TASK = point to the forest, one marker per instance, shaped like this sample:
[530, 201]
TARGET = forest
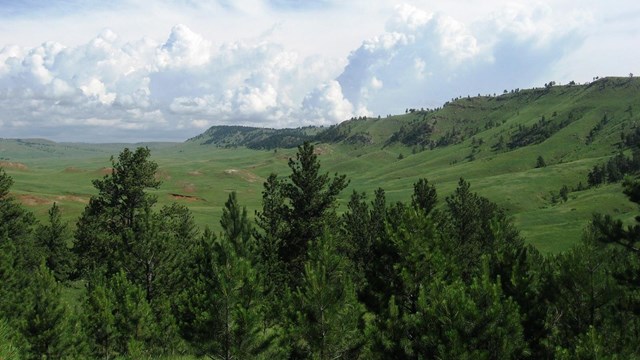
[302, 278]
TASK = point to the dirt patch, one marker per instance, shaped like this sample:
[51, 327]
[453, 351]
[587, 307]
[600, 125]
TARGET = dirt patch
[106, 171]
[74, 198]
[188, 198]
[162, 175]
[321, 150]
[31, 200]
[244, 174]
[195, 173]
[13, 165]
[189, 187]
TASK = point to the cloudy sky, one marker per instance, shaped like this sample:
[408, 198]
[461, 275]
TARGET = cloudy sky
[126, 70]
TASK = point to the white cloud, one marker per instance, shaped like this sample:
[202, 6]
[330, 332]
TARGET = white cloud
[288, 63]
[326, 105]
[424, 59]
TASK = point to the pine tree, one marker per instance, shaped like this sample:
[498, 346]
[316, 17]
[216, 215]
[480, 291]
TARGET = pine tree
[113, 212]
[312, 196]
[357, 232]
[220, 312]
[424, 196]
[132, 317]
[46, 327]
[236, 225]
[467, 223]
[99, 320]
[54, 238]
[271, 221]
[8, 350]
[327, 313]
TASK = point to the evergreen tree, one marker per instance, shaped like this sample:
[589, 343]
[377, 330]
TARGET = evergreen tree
[585, 295]
[271, 220]
[236, 226]
[46, 322]
[54, 239]
[467, 225]
[8, 350]
[357, 233]
[99, 319]
[312, 197]
[132, 317]
[424, 196]
[220, 312]
[112, 213]
[327, 313]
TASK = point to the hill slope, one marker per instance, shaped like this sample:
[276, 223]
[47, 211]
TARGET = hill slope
[493, 142]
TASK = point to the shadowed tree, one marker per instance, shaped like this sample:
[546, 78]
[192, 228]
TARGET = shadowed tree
[424, 196]
[53, 238]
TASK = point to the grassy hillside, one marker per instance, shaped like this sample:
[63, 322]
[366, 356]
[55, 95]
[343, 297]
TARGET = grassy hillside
[493, 142]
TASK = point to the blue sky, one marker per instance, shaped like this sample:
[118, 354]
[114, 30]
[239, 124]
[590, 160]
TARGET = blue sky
[166, 70]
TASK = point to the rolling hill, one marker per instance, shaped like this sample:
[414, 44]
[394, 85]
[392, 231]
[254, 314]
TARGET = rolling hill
[492, 141]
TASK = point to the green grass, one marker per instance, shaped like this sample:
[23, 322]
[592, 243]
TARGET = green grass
[201, 177]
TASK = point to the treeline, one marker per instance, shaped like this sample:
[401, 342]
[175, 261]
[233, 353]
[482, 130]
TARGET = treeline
[425, 278]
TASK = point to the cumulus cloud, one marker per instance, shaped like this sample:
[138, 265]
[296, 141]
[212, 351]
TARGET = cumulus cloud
[183, 84]
[424, 59]
[172, 86]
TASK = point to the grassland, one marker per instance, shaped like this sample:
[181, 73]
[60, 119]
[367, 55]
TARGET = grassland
[201, 176]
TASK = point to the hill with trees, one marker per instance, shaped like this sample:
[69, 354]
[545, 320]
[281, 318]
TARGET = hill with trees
[552, 156]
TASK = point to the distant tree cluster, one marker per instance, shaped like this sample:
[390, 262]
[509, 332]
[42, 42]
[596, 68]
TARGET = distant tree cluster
[538, 132]
[615, 169]
[427, 278]
[596, 129]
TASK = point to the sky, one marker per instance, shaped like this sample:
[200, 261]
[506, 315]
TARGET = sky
[166, 70]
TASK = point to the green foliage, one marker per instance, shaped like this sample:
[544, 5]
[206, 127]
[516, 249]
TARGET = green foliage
[236, 226]
[8, 350]
[312, 196]
[54, 239]
[452, 321]
[220, 311]
[118, 319]
[540, 163]
[395, 279]
[114, 211]
[538, 132]
[46, 325]
[327, 312]
[467, 226]
[424, 196]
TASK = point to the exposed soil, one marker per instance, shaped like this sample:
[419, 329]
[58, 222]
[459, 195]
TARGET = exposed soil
[188, 198]
[31, 200]
[13, 165]
[106, 171]
[244, 174]
[195, 173]
[189, 187]
[321, 150]
[162, 175]
[74, 198]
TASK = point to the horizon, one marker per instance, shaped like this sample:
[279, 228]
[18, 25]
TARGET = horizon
[147, 72]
